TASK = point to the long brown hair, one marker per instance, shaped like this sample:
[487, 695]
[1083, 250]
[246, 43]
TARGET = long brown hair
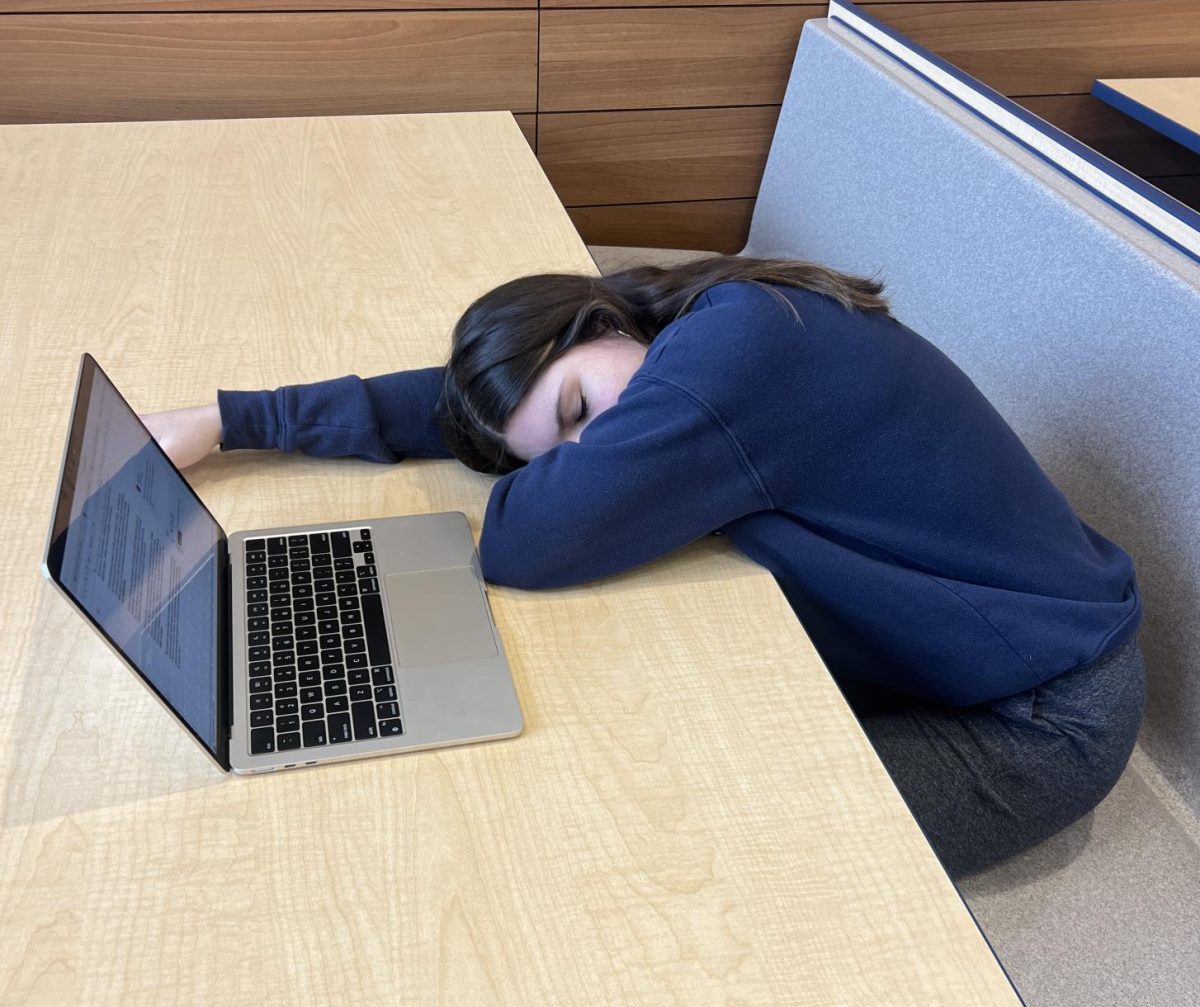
[508, 337]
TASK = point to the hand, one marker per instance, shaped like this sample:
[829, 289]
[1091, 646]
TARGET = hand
[186, 435]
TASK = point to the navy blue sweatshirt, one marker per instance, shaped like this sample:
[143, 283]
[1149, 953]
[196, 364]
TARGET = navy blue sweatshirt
[916, 538]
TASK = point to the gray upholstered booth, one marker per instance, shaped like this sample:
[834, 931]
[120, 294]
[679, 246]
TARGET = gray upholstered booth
[1083, 328]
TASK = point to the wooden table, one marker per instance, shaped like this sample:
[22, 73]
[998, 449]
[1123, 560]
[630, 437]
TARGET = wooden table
[692, 815]
[1170, 105]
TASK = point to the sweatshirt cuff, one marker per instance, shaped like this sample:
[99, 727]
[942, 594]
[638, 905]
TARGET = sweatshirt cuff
[248, 420]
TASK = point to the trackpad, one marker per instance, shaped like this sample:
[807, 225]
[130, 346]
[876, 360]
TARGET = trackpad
[439, 616]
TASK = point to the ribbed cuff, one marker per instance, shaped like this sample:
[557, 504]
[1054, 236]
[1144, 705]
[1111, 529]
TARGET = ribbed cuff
[248, 420]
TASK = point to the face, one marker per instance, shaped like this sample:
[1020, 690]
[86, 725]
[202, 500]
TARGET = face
[577, 387]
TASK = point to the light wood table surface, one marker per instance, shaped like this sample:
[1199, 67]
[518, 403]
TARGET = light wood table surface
[1170, 105]
[692, 815]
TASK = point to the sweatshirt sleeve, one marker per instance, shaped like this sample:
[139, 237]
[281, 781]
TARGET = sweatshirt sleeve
[382, 419]
[657, 470]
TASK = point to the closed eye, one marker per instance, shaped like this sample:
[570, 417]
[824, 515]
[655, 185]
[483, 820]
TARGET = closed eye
[583, 408]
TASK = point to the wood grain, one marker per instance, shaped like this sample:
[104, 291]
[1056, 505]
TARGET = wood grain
[692, 815]
[593, 158]
[634, 58]
[721, 225]
[81, 68]
[1026, 47]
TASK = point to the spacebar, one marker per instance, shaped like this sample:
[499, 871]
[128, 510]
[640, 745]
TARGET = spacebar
[376, 629]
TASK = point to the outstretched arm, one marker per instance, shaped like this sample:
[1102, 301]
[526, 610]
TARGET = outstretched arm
[382, 419]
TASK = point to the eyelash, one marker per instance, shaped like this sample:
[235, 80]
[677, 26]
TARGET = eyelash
[583, 410]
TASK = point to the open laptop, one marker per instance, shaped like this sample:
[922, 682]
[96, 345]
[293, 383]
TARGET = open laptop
[282, 647]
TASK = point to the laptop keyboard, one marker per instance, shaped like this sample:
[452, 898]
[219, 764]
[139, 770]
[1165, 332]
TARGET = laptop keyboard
[320, 668]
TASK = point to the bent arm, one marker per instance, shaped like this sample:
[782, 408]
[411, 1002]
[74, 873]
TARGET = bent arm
[382, 419]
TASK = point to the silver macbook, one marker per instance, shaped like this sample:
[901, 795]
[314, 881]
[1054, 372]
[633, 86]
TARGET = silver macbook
[281, 647]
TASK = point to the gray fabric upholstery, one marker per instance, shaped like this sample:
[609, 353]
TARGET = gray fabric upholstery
[1080, 326]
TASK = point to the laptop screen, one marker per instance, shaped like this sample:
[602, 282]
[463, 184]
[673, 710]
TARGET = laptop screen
[136, 550]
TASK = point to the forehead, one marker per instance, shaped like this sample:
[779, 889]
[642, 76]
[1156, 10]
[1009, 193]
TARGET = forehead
[533, 428]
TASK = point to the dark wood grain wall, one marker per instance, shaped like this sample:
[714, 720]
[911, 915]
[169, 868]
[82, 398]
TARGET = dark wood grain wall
[651, 119]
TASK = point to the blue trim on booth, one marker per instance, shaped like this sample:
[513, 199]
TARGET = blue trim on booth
[1180, 211]
[1144, 114]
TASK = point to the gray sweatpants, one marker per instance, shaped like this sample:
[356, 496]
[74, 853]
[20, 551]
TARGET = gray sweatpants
[988, 781]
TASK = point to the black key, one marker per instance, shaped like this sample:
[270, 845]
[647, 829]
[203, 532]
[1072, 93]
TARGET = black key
[306, 633]
[260, 653]
[302, 591]
[333, 671]
[372, 609]
[285, 689]
[277, 561]
[260, 668]
[304, 618]
[389, 727]
[276, 545]
[256, 597]
[352, 632]
[256, 610]
[364, 534]
[322, 575]
[368, 557]
[339, 542]
[309, 662]
[289, 741]
[256, 556]
[255, 543]
[314, 733]
[307, 648]
[291, 723]
[350, 617]
[283, 706]
[323, 586]
[260, 685]
[355, 646]
[319, 541]
[385, 694]
[295, 540]
[304, 605]
[260, 702]
[369, 585]
[339, 728]
[282, 643]
[330, 640]
[340, 704]
[360, 676]
[383, 676]
[281, 627]
[362, 546]
[364, 720]
[283, 657]
[326, 626]
[262, 740]
[356, 660]
[383, 709]
[343, 563]
[312, 695]
[261, 622]
[276, 574]
[344, 577]
[296, 555]
[326, 601]
[347, 590]
[347, 604]
[278, 587]
[260, 717]
[256, 569]
[360, 692]
[313, 711]
[331, 656]
[300, 565]
[255, 583]
[365, 571]
[301, 577]
[335, 687]
[285, 673]
[309, 679]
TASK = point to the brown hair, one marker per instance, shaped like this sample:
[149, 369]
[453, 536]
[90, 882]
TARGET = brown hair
[508, 337]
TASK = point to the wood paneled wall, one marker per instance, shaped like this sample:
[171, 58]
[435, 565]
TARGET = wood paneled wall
[652, 119]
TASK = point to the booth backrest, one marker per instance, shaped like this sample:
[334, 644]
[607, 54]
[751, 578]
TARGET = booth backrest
[1080, 325]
